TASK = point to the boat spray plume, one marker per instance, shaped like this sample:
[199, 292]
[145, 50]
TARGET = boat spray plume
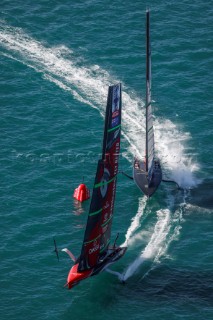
[136, 221]
[155, 245]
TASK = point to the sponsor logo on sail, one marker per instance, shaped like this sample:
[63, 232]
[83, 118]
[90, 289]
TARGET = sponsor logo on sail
[104, 181]
[115, 121]
[95, 247]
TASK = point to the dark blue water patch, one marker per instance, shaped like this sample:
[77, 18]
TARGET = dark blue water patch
[183, 285]
[162, 292]
[202, 195]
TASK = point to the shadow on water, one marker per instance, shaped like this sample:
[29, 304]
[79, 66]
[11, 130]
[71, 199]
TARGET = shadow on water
[202, 195]
[170, 284]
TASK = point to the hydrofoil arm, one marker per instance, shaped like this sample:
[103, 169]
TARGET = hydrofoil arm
[171, 181]
[126, 175]
[72, 257]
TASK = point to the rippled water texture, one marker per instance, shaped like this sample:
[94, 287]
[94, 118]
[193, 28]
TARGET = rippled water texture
[57, 60]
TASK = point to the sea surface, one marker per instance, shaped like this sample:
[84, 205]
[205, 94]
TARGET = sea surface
[57, 60]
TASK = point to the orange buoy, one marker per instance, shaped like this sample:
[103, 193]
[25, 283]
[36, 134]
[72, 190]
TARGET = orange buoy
[81, 193]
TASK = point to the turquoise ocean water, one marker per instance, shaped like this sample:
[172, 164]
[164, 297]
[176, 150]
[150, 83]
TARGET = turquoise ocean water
[57, 60]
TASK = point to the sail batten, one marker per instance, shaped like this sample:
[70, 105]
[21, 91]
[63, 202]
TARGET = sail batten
[103, 183]
[86, 242]
[112, 129]
[94, 213]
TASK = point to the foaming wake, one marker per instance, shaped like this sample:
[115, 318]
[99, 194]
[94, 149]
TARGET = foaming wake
[177, 164]
[89, 85]
[136, 222]
[166, 230]
[130, 234]
[155, 247]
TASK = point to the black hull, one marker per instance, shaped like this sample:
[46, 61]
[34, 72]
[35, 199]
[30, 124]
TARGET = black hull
[115, 255]
[141, 177]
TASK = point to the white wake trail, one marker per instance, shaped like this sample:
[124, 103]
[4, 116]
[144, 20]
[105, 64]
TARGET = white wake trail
[155, 246]
[136, 222]
[89, 85]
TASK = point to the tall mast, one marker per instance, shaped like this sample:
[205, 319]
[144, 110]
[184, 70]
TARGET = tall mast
[148, 84]
[109, 97]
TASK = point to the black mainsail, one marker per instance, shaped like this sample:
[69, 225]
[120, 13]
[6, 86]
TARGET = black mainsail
[147, 174]
[96, 252]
